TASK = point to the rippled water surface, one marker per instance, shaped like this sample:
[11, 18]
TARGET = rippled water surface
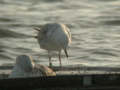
[94, 24]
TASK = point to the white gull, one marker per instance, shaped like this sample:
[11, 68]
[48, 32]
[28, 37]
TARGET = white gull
[54, 37]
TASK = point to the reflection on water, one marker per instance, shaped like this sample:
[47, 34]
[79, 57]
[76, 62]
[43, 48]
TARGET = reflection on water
[94, 26]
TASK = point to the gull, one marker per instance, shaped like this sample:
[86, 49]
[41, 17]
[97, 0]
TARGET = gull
[25, 67]
[54, 37]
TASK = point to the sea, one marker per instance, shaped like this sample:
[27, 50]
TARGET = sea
[94, 26]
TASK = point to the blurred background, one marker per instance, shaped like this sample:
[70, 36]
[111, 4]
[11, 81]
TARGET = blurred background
[94, 24]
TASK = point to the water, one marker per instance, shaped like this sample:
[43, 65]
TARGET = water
[94, 24]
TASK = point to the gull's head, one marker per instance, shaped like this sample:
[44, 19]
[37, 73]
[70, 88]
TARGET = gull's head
[25, 62]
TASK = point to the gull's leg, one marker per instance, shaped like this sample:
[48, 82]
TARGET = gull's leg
[60, 58]
[50, 63]
[49, 56]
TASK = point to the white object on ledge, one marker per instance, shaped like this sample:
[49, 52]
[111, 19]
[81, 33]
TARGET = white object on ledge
[25, 67]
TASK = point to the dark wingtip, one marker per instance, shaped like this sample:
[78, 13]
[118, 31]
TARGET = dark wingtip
[66, 53]
[35, 36]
